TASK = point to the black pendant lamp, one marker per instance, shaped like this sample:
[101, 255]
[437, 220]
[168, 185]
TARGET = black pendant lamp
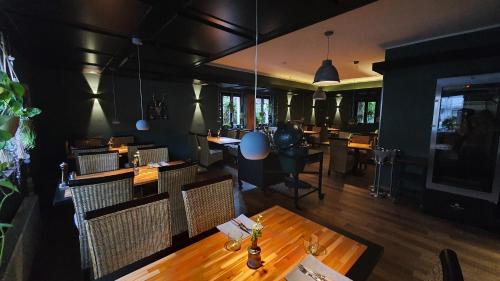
[327, 74]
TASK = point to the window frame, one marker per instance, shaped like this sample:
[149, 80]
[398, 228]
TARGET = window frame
[231, 96]
[270, 118]
[365, 112]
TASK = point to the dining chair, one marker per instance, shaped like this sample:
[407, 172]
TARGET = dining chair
[340, 160]
[344, 135]
[132, 149]
[122, 234]
[447, 269]
[95, 162]
[208, 156]
[208, 203]
[154, 154]
[95, 193]
[232, 134]
[118, 141]
[96, 149]
[171, 179]
[242, 133]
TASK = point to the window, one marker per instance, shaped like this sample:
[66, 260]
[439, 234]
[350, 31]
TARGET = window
[360, 116]
[263, 110]
[366, 111]
[231, 110]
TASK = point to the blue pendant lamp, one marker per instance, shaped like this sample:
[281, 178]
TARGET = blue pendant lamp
[142, 124]
[327, 74]
[255, 145]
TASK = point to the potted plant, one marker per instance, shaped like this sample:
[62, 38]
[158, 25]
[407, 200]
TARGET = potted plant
[13, 138]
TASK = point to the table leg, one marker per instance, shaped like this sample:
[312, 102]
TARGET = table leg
[296, 190]
[321, 195]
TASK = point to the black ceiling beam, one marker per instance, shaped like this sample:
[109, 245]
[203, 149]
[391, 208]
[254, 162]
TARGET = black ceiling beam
[475, 53]
[201, 17]
[94, 29]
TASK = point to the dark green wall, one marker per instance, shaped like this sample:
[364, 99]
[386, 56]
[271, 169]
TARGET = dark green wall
[408, 98]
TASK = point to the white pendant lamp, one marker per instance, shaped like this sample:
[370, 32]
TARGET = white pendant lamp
[255, 145]
[142, 124]
[327, 74]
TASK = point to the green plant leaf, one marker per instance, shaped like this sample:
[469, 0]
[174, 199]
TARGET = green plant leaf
[8, 184]
[4, 135]
[5, 225]
[18, 90]
[32, 112]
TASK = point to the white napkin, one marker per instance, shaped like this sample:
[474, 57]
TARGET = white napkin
[231, 227]
[154, 165]
[163, 163]
[315, 265]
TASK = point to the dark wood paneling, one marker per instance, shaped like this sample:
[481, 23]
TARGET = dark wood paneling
[188, 33]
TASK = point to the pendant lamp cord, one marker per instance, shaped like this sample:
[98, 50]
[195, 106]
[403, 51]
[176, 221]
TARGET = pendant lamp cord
[114, 92]
[140, 81]
[328, 49]
[255, 63]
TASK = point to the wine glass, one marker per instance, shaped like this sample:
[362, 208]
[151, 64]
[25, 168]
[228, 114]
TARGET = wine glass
[233, 243]
[311, 245]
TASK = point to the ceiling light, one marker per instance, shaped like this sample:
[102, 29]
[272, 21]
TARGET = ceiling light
[255, 145]
[319, 94]
[327, 74]
[142, 124]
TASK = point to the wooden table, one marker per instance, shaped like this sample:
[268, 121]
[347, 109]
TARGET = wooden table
[146, 175]
[282, 246]
[223, 140]
[359, 146]
[120, 150]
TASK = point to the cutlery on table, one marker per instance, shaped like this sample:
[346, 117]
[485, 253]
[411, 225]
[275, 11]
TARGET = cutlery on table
[241, 226]
[314, 275]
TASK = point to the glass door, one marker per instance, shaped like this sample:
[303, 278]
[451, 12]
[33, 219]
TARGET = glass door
[465, 137]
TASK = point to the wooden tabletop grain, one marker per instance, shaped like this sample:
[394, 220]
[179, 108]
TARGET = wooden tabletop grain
[223, 140]
[282, 246]
[146, 174]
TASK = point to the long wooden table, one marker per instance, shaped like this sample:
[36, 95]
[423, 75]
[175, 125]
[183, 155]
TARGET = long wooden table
[146, 175]
[223, 140]
[282, 246]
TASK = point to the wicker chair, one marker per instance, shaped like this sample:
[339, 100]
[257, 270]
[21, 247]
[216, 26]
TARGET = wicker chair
[208, 203]
[132, 149]
[97, 149]
[171, 179]
[96, 193]
[340, 160]
[95, 162]
[152, 155]
[122, 140]
[208, 156]
[125, 233]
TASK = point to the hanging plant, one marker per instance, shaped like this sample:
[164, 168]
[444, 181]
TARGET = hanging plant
[14, 139]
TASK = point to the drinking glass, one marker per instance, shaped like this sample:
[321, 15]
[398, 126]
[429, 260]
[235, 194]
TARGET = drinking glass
[311, 245]
[233, 241]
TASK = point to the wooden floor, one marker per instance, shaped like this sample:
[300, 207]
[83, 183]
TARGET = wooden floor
[411, 239]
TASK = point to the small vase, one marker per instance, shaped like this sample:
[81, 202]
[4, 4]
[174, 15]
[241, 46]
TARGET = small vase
[254, 260]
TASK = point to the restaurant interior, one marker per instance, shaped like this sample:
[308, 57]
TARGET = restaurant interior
[250, 140]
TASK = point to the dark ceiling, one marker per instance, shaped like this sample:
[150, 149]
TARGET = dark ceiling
[179, 36]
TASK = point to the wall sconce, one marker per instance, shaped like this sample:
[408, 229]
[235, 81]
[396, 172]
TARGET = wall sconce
[197, 101]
